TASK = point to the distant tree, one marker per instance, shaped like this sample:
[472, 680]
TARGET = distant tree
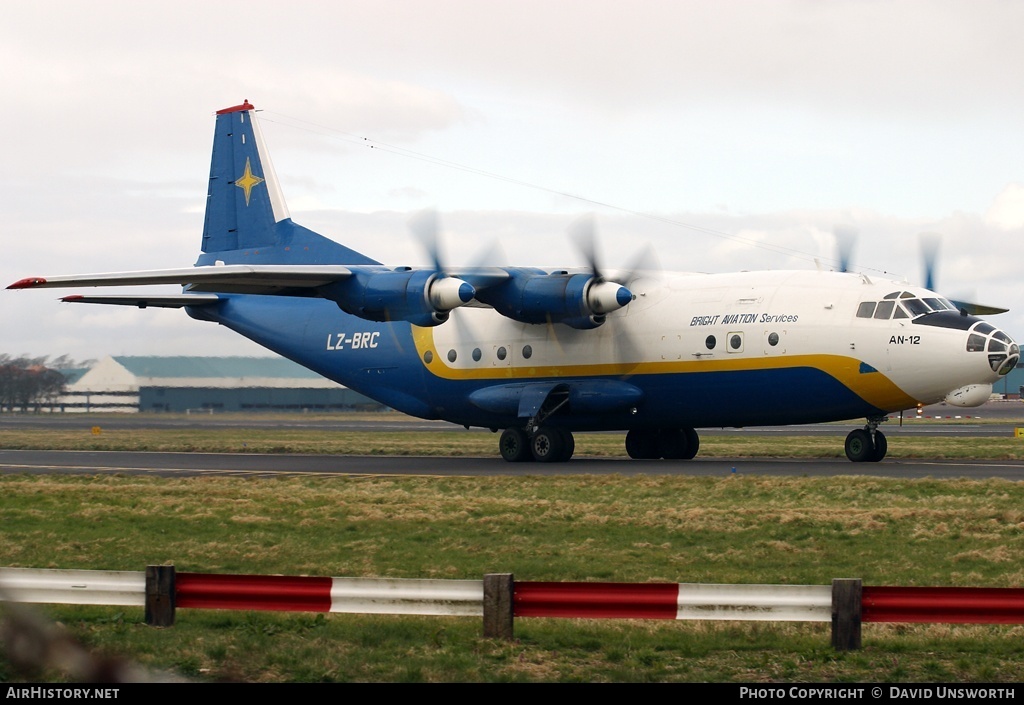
[28, 383]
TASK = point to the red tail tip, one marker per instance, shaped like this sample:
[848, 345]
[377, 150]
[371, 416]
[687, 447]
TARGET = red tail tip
[72, 297]
[246, 105]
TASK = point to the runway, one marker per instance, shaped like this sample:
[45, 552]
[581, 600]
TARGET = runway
[994, 419]
[262, 465]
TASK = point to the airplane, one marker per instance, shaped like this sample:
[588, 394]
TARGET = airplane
[540, 354]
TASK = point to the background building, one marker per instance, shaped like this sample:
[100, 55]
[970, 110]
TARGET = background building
[179, 384]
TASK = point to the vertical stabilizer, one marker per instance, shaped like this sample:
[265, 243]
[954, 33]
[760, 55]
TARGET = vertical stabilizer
[247, 219]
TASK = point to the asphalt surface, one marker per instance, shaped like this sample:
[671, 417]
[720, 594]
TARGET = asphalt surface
[261, 465]
[996, 419]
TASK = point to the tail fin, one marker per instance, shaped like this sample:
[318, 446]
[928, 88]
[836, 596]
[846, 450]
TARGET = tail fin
[247, 220]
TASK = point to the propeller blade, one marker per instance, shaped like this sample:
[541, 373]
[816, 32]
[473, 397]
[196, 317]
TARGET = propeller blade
[846, 238]
[929, 256]
[425, 226]
[583, 233]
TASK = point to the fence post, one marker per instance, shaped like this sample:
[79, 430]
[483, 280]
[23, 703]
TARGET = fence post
[846, 612]
[160, 595]
[498, 606]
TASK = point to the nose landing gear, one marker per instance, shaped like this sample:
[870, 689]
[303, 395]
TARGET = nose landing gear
[868, 444]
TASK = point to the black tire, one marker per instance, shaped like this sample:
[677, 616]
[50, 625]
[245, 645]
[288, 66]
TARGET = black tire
[547, 445]
[642, 444]
[568, 445]
[514, 446]
[881, 447]
[672, 444]
[858, 446]
[692, 443]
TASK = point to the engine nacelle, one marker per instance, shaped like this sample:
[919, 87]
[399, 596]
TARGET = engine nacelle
[970, 395]
[421, 297]
[577, 300]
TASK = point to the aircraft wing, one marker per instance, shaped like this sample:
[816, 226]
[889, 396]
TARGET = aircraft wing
[231, 278]
[978, 309]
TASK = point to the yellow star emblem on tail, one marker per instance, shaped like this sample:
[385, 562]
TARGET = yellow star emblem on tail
[247, 181]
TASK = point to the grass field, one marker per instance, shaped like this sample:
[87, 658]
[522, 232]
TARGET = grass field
[741, 529]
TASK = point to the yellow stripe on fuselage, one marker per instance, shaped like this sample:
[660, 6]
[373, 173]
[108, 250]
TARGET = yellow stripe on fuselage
[873, 387]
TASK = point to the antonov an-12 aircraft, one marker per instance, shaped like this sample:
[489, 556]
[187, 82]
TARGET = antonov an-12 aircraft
[540, 354]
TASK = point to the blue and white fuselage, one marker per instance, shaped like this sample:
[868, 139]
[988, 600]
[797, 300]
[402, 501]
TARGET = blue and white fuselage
[542, 354]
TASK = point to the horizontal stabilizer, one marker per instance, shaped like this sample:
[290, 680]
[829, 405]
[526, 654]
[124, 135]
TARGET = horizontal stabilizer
[145, 301]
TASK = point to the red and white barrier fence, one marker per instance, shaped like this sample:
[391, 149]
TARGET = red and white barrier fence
[498, 598]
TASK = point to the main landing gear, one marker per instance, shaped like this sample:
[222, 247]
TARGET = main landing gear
[545, 445]
[548, 444]
[667, 443]
[868, 444]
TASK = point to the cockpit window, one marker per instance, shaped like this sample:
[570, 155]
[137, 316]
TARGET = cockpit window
[975, 343]
[984, 328]
[908, 306]
[916, 307]
[884, 309]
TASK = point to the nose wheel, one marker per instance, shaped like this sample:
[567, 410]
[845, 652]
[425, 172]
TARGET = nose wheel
[866, 445]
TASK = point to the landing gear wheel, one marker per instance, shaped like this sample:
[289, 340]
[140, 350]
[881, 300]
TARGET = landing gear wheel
[692, 443]
[568, 445]
[672, 444]
[548, 445]
[881, 447]
[514, 446]
[858, 446]
[642, 444]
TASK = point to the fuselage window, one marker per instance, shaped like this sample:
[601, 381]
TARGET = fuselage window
[773, 339]
[735, 342]
[866, 309]
[884, 309]
[477, 354]
[452, 355]
[502, 353]
[710, 342]
[527, 352]
[428, 357]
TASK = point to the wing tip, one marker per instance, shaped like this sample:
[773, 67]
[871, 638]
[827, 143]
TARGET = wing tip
[27, 283]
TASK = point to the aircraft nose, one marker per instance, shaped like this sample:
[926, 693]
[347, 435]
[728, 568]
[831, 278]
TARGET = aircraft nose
[1003, 353]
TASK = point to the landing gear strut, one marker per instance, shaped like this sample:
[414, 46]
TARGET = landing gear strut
[668, 443]
[868, 444]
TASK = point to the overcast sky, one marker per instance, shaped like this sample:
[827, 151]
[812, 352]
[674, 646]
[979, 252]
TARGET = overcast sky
[769, 123]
